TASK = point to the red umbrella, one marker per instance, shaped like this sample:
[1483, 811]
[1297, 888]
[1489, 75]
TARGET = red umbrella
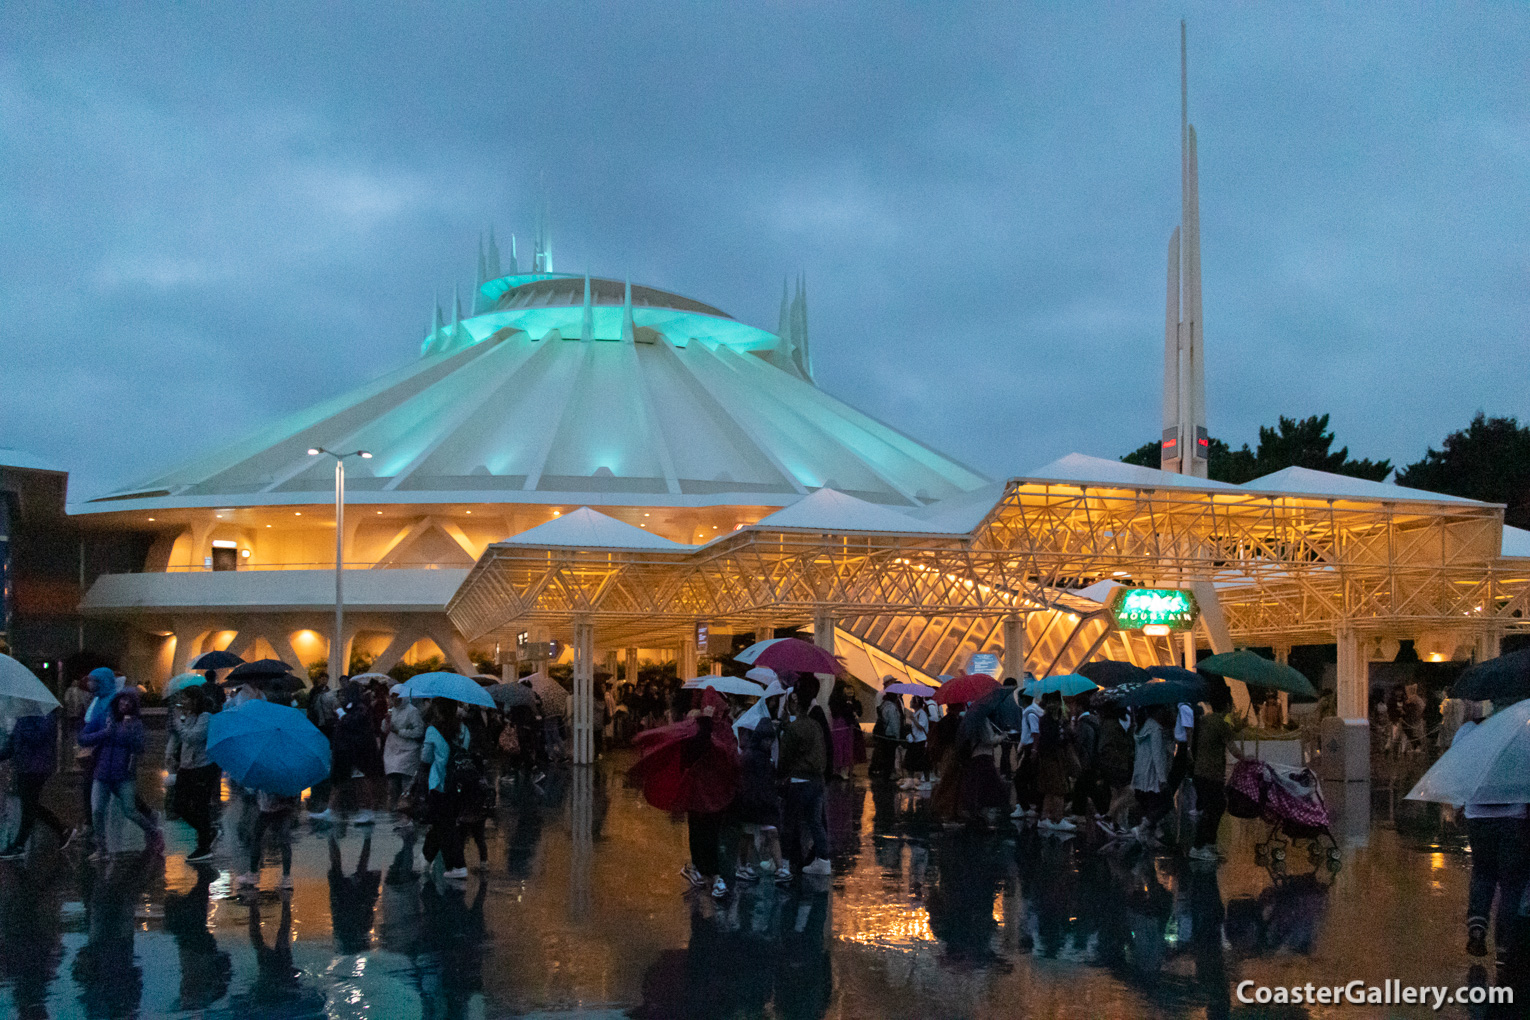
[799, 656]
[961, 689]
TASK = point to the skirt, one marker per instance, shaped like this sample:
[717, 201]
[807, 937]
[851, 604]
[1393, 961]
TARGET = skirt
[916, 756]
[981, 787]
[844, 745]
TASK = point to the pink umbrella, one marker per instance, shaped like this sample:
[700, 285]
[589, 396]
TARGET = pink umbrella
[798, 656]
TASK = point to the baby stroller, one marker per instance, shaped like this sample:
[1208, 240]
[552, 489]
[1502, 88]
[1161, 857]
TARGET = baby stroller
[1290, 800]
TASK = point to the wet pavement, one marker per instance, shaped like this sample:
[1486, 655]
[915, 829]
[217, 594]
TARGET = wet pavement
[583, 912]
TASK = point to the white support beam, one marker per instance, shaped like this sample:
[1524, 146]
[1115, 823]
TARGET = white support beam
[583, 709]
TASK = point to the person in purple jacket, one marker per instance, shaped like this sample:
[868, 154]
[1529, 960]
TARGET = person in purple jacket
[118, 746]
[33, 751]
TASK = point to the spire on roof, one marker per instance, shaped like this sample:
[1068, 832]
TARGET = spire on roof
[456, 304]
[491, 265]
[515, 265]
[438, 320]
[587, 324]
[801, 352]
[541, 259]
[483, 268]
[629, 332]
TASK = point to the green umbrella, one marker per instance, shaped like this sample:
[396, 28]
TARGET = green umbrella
[1258, 671]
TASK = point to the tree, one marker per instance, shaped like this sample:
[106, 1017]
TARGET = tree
[1488, 460]
[1292, 443]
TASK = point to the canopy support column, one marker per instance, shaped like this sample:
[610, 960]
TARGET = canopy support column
[1488, 645]
[584, 692]
[1347, 737]
[685, 660]
[823, 628]
[1016, 647]
[631, 675]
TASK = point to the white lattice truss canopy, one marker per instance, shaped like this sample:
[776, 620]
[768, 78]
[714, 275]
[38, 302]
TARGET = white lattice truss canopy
[1289, 569]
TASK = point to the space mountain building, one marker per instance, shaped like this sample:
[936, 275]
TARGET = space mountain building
[553, 392]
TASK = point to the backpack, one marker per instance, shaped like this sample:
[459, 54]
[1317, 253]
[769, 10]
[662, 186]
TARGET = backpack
[467, 784]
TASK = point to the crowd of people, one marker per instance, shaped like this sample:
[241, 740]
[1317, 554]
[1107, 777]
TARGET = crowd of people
[436, 757]
[1079, 764]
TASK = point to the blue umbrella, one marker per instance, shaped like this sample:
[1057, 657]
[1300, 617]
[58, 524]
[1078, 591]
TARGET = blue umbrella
[452, 686]
[183, 681]
[999, 707]
[268, 747]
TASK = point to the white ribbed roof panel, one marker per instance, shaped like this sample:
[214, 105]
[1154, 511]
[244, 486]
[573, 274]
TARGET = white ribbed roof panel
[514, 418]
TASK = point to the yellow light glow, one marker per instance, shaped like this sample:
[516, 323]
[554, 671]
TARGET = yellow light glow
[557, 513]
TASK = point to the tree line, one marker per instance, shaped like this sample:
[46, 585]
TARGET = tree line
[1489, 460]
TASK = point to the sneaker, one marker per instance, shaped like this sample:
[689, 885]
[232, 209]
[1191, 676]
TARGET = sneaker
[1202, 853]
[766, 867]
[1046, 824]
[69, 837]
[1064, 825]
[784, 874]
[321, 816]
[285, 884]
[1019, 812]
[97, 856]
[819, 866]
[719, 888]
[1476, 940]
[198, 856]
[365, 818]
[691, 875]
[746, 873]
[455, 874]
[1107, 828]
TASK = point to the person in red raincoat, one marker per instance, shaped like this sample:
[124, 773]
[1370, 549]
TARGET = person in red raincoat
[693, 766]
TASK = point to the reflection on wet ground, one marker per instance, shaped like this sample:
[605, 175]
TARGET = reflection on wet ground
[583, 911]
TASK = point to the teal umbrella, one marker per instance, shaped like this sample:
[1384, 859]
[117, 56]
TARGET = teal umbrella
[21, 693]
[179, 683]
[452, 686]
[1066, 684]
[268, 747]
[1258, 671]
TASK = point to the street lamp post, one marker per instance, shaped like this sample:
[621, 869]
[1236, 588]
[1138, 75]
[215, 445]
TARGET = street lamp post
[337, 645]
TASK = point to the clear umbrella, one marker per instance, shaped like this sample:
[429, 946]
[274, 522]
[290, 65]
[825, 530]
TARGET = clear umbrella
[21, 693]
[1488, 764]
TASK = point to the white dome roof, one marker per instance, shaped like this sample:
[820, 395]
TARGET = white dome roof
[506, 407]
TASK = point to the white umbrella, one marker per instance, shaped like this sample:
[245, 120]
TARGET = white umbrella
[1489, 764]
[366, 678]
[748, 655]
[725, 685]
[21, 693]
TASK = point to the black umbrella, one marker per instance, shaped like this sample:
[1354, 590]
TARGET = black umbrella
[255, 672]
[217, 660]
[1504, 679]
[1108, 673]
[1156, 692]
[999, 707]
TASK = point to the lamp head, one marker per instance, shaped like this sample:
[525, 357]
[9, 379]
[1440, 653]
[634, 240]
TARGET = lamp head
[314, 451]
[365, 455]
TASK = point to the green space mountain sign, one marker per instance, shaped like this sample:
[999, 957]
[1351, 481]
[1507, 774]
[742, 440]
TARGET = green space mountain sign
[1136, 608]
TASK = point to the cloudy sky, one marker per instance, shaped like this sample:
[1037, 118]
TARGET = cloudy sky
[212, 215]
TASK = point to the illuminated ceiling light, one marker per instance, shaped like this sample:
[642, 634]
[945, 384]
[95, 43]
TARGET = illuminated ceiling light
[313, 451]
[298, 513]
[645, 515]
[365, 455]
[1156, 630]
[151, 518]
[557, 513]
[245, 553]
[470, 511]
[268, 525]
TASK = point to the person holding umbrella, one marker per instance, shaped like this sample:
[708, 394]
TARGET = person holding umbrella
[196, 777]
[1150, 769]
[803, 754]
[886, 735]
[1212, 742]
[445, 838]
[355, 752]
[1496, 833]
[118, 745]
[33, 750]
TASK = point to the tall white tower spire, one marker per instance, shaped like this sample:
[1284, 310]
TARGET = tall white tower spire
[1185, 440]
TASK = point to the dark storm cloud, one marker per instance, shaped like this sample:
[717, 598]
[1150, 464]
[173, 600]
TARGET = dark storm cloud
[210, 217]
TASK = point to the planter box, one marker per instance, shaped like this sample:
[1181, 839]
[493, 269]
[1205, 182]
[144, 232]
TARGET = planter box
[1286, 751]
